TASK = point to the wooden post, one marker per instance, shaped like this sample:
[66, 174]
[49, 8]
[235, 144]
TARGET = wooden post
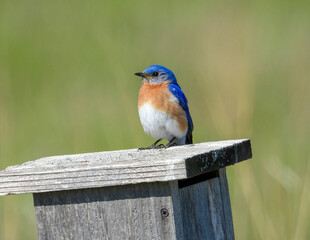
[175, 193]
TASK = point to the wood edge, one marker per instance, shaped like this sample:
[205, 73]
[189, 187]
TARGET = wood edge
[194, 166]
[219, 158]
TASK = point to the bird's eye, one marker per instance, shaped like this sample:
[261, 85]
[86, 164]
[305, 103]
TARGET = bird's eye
[155, 73]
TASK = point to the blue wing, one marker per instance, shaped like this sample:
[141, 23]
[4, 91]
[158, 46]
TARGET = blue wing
[178, 93]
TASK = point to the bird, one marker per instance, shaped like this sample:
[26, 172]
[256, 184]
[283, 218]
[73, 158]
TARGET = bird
[163, 108]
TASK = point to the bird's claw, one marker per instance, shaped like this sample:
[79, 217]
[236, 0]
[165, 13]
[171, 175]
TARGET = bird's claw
[160, 146]
[145, 148]
[170, 145]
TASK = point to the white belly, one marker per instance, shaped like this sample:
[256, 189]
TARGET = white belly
[158, 124]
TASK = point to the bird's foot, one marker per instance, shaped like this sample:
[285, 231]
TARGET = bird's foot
[153, 146]
[171, 143]
[146, 148]
[160, 146]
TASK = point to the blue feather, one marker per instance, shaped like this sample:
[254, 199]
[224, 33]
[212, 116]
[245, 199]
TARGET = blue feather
[178, 93]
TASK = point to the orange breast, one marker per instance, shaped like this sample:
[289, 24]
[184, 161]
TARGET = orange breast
[160, 97]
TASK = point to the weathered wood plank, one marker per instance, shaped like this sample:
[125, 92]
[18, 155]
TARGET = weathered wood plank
[202, 213]
[114, 213]
[205, 213]
[226, 204]
[161, 210]
[114, 168]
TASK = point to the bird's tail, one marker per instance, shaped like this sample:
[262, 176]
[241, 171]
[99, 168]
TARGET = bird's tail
[189, 138]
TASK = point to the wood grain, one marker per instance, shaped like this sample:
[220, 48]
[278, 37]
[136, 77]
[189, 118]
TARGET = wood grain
[114, 168]
[198, 210]
[114, 213]
[204, 211]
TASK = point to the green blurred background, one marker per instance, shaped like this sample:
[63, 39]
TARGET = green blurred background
[67, 86]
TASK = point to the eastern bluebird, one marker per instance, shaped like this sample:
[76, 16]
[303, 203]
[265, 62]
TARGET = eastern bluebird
[163, 108]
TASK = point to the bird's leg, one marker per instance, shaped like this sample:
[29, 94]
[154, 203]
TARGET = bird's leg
[171, 143]
[152, 146]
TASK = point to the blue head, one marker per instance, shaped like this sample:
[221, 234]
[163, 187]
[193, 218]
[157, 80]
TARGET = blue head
[157, 74]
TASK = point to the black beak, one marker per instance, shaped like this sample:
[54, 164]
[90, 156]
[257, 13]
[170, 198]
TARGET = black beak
[141, 74]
